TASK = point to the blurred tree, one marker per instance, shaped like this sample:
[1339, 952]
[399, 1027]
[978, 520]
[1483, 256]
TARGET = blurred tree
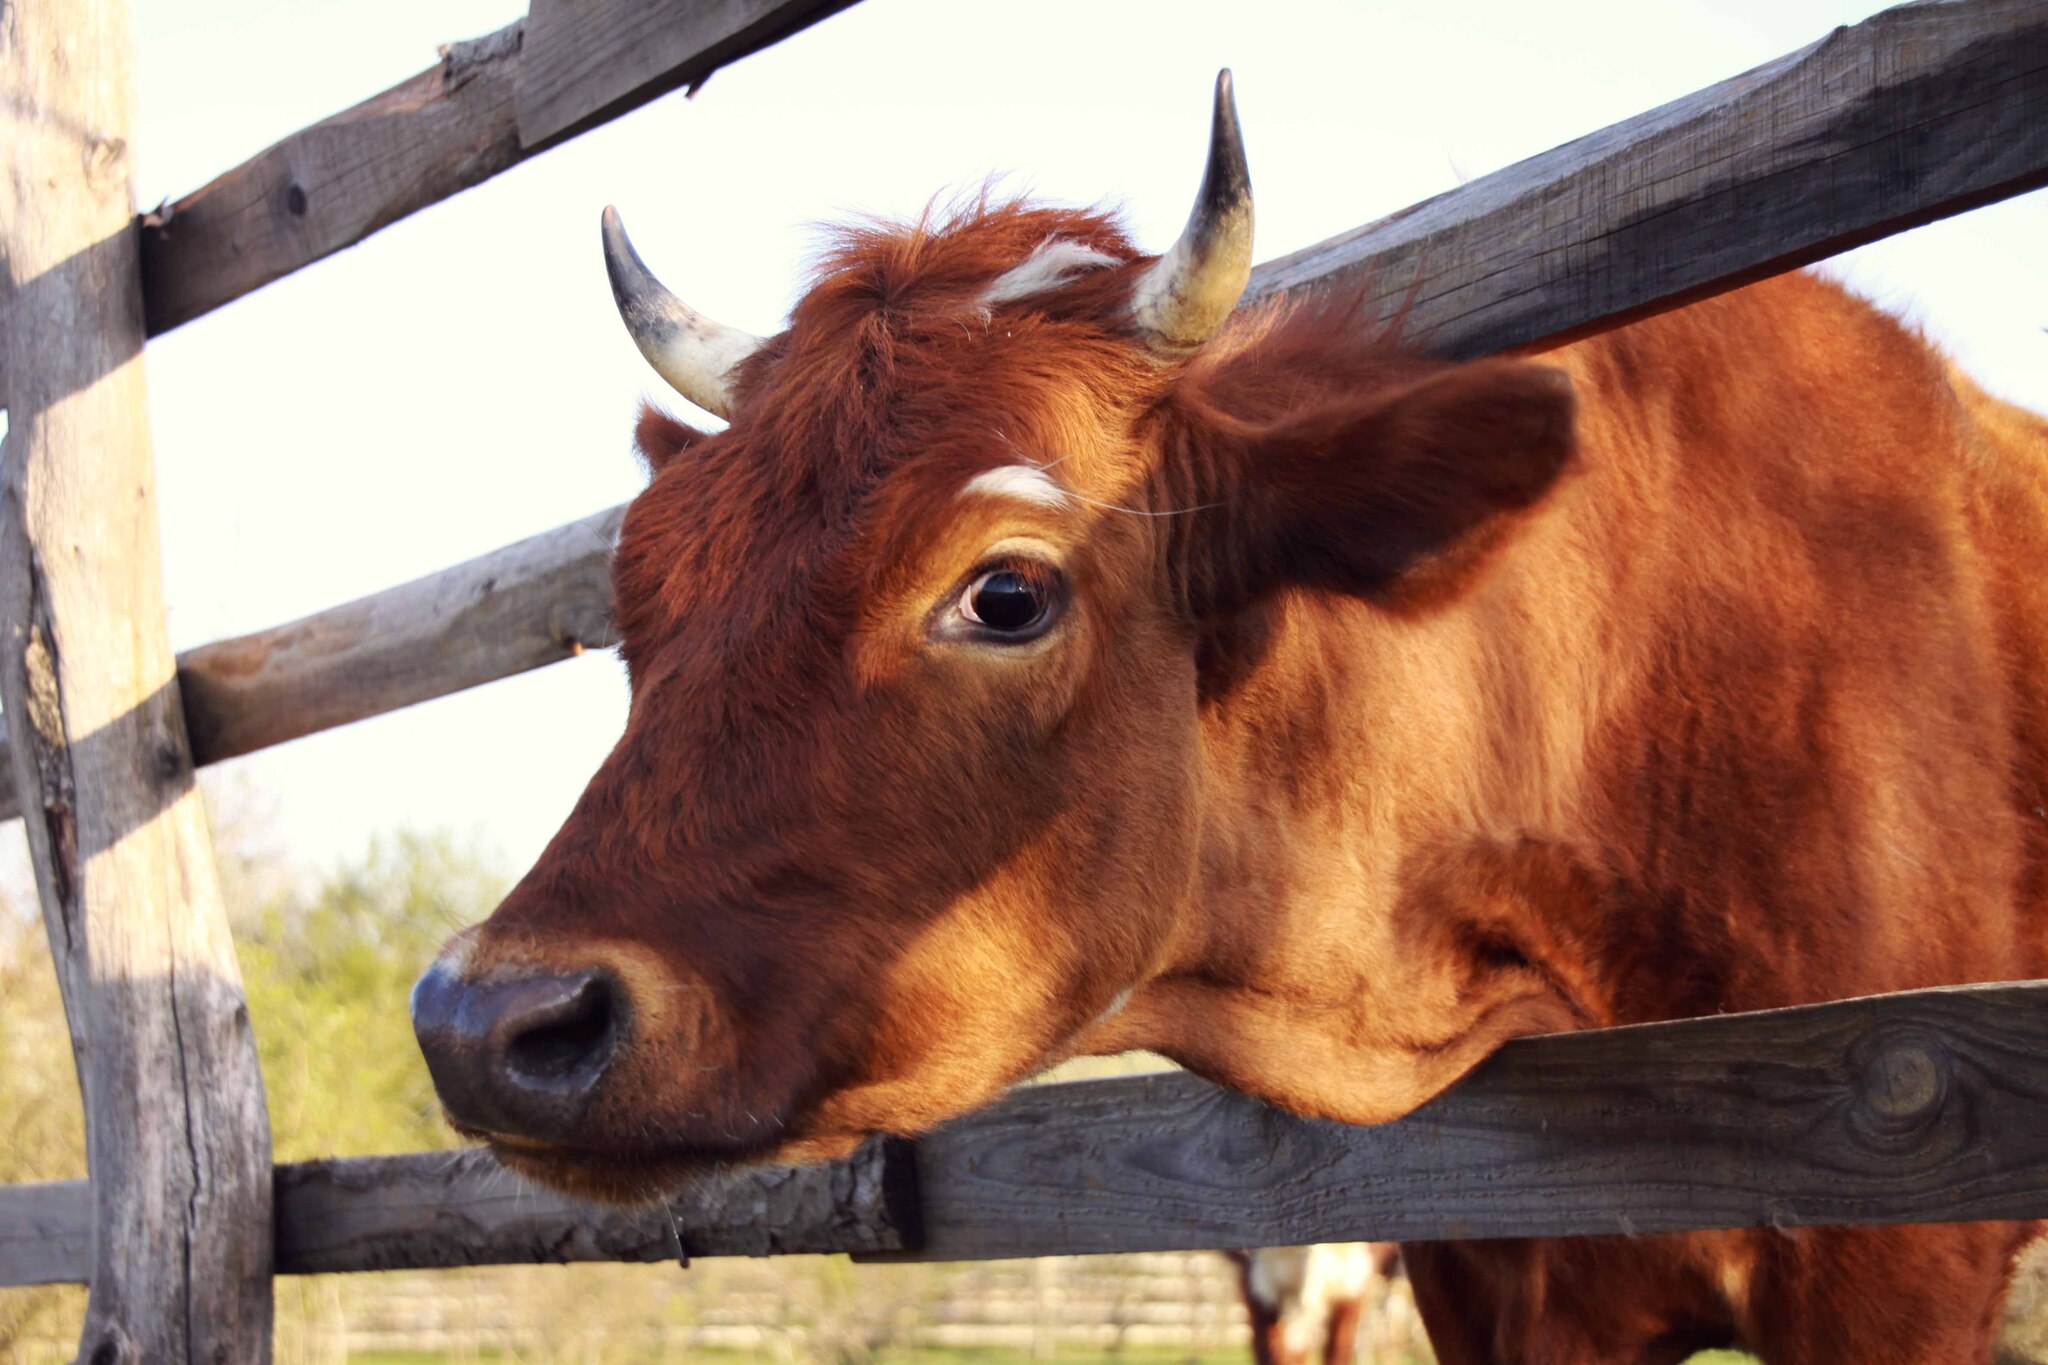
[42, 1125]
[328, 976]
[328, 964]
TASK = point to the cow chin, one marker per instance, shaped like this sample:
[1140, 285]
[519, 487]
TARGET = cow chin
[633, 1155]
[637, 1174]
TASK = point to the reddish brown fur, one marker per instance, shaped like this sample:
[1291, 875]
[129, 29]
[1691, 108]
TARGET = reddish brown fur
[1432, 713]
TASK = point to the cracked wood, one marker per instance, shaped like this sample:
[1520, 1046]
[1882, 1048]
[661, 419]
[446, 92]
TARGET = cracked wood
[176, 1136]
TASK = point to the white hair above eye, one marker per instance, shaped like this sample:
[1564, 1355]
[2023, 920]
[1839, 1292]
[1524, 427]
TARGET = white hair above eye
[1024, 482]
[1056, 261]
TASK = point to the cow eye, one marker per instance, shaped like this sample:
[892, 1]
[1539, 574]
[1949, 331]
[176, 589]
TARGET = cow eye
[1012, 603]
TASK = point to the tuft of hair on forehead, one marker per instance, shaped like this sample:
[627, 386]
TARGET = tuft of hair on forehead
[892, 352]
[955, 253]
[1056, 262]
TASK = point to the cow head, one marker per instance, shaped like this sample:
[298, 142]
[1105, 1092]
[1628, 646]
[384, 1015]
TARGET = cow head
[924, 649]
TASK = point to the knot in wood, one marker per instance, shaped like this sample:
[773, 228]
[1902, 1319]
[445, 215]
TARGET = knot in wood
[114, 1347]
[1903, 1078]
[106, 161]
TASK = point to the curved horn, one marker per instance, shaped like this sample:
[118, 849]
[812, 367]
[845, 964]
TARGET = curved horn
[1183, 299]
[694, 354]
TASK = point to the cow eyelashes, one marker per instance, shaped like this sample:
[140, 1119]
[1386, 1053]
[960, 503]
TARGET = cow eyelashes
[1008, 602]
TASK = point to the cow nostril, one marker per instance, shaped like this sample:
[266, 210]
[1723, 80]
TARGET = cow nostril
[520, 1055]
[568, 1038]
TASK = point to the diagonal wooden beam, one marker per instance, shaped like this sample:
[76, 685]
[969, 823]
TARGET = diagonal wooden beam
[588, 61]
[1917, 113]
[534, 602]
[491, 103]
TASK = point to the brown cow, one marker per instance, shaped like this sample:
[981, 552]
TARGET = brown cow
[1040, 666]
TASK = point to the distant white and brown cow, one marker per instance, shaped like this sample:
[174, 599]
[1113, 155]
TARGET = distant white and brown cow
[1307, 1303]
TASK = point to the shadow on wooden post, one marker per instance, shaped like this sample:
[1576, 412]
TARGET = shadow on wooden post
[176, 1135]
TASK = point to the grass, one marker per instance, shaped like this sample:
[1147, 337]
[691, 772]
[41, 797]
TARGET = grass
[935, 1355]
[955, 1356]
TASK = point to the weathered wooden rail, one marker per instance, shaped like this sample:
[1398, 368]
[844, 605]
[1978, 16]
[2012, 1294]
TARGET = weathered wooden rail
[1926, 1106]
[491, 103]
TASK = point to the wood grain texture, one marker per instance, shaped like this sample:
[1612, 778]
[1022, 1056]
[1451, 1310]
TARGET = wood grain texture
[446, 1209]
[1920, 112]
[530, 603]
[434, 1209]
[1929, 1106]
[45, 1233]
[577, 63]
[330, 185]
[588, 61]
[176, 1135]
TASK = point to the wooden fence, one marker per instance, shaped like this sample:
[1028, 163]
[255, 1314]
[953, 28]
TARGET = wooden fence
[1926, 1106]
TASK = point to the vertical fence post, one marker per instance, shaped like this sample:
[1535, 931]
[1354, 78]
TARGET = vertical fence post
[176, 1139]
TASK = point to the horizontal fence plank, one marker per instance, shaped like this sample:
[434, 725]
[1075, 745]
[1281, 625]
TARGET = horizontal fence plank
[438, 1209]
[1928, 1106]
[530, 603]
[332, 184]
[451, 127]
[45, 1233]
[1919, 112]
[461, 1208]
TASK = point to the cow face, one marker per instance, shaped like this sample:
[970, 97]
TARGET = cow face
[912, 795]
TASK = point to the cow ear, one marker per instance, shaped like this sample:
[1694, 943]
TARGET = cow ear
[660, 438]
[1398, 497]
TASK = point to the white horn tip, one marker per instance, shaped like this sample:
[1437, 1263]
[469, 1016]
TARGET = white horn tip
[694, 354]
[1184, 299]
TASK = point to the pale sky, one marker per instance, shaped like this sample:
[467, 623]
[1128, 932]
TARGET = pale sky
[461, 380]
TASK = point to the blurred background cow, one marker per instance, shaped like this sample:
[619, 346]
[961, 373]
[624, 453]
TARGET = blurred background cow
[1307, 1305]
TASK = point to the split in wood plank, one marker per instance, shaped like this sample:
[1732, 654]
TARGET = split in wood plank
[177, 1229]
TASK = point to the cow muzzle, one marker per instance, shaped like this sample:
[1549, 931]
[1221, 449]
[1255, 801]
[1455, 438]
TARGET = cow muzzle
[519, 1054]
